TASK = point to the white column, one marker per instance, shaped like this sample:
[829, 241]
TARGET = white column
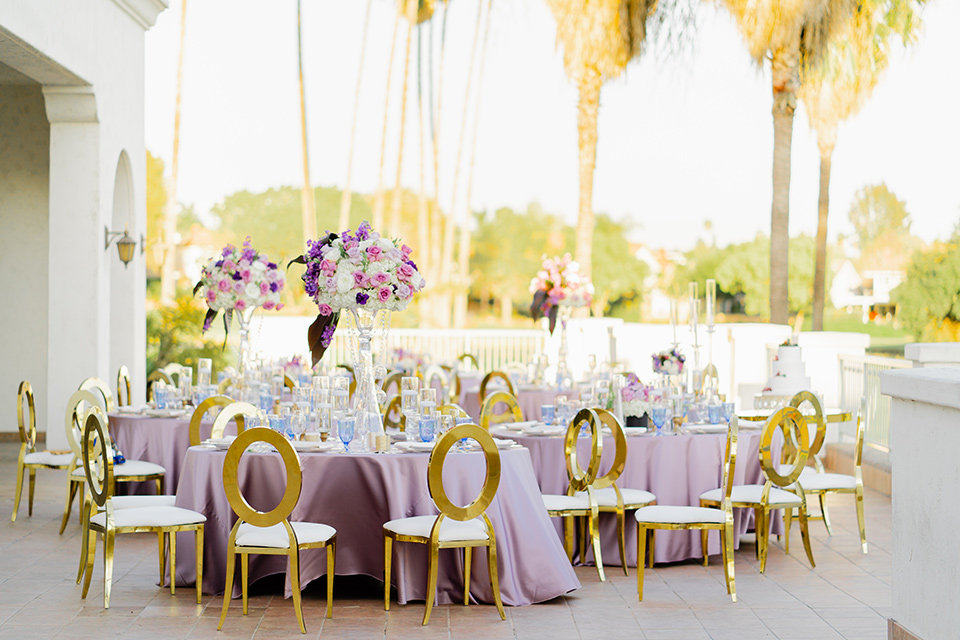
[78, 317]
[924, 440]
[933, 354]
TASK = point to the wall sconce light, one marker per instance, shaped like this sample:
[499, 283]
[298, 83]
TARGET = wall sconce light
[125, 244]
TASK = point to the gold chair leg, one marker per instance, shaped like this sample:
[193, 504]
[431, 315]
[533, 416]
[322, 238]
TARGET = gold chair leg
[331, 563]
[228, 583]
[159, 482]
[84, 537]
[652, 547]
[787, 525]
[826, 514]
[726, 539]
[161, 544]
[568, 524]
[244, 575]
[108, 547]
[467, 557]
[91, 554]
[387, 561]
[763, 542]
[622, 540]
[19, 489]
[33, 483]
[494, 577]
[860, 520]
[805, 534]
[173, 562]
[198, 534]
[595, 538]
[703, 545]
[584, 524]
[68, 506]
[431, 581]
[757, 517]
[295, 586]
[641, 552]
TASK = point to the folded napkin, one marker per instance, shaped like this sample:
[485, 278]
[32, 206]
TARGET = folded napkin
[544, 430]
[705, 428]
[415, 447]
[634, 431]
[165, 413]
[313, 445]
[519, 426]
[132, 408]
[220, 443]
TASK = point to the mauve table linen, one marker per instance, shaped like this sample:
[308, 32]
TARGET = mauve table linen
[676, 469]
[356, 494]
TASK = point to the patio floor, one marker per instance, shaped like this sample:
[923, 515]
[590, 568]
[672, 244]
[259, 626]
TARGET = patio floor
[846, 596]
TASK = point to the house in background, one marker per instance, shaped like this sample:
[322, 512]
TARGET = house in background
[869, 292]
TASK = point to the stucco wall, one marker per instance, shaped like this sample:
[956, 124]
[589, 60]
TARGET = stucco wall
[24, 168]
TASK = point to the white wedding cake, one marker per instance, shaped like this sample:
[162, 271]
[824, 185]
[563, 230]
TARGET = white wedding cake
[789, 375]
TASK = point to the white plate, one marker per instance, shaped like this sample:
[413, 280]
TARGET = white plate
[165, 413]
[544, 431]
[635, 431]
[519, 426]
[705, 428]
[311, 446]
[221, 444]
[130, 408]
[415, 447]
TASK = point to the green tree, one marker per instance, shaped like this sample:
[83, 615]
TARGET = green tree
[175, 334]
[156, 203]
[875, 211]
[928, 300]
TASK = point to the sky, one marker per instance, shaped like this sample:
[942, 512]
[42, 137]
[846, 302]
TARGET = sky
[682, 140]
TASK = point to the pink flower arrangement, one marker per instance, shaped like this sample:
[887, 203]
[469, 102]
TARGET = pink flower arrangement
[559, 284]
[239, 279]
[636, 397]
[668, 362]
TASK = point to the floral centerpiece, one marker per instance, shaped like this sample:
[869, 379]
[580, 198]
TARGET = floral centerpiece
[636, 397]
[669, 362]
[358, 272]
[559, 283]
[406, 360]
[239, 279]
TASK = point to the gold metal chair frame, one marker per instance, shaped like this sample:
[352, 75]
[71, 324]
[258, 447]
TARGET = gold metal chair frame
[289, 382]
[513, 413]
[201, 410]
[857, 490]
[454, 380]
[236, 411]
[469, 357]
[493, 375]
[392, 379]
[28, 444]
[123, 386]
[580, 480]
[393, 408]
[710, 373]
[279, 514]
[793, 426]
[101, 485]
[450, 510]
[75, 483]
[645, 529]
[101, 387]
[436, 371]
[453, 409]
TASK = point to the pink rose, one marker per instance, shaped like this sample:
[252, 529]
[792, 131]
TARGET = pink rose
[383, 294]
[406, 251]
[394, 254]
[279, 306]
[359, 279]
[404, 271]
[228, 265]
[223, 285]
[211, 295]
[354, 253]
[241, 305]
[325, 310]
[238, 287]
[268, 305]
[381, 277]
[245, 275]
[264, 288]
[404, 292]
[373, 252]
[332, 285]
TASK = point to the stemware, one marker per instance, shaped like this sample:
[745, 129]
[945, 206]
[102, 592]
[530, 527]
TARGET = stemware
[658, 413]
[204, 368]
[409, 402]
[591, 363]
[680, 408]
[728, 411]
[298, 424]
[345, 429]
[714, 412]
[428, 427]
[548, 413]
[301, 397]
[428, 402]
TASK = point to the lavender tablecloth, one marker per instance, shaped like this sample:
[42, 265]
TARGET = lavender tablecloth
[356, 494]
[530, 401]
[676, 469]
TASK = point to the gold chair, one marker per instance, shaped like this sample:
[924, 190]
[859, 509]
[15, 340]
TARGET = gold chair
[495, 375]
[456, 526]
[469, 357]
[271, 533]
[236, 411]
[773, 494]
[454, 379]
[710, 378]
[123, 386]
[815, 416]
[611, 498]
[163, 520]
[130, 471]
[453, 409]
[821, 484]
[201, 410]
[433, 372]
[393, 414]
[513, 413]
[580, 499]
[392, 380]
[155, 375]
[289, 382]
[673, 518]
[99, 386]
[30, 459]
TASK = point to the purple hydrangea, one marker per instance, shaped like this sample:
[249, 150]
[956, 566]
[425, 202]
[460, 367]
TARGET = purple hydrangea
[362, 298]
[327, 336]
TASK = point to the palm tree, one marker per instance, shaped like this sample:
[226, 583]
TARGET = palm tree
[838, 88]
[793, 35]
[347, 196]
[168, 284]
[599, 37]
[378, 198]
[307, 202]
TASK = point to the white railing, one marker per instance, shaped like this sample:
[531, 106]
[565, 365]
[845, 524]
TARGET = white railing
[860, 377]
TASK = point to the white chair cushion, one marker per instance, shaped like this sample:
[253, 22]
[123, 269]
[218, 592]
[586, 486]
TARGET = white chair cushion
[136, 502]
[129, 468]
[49, 459]
[679, 515]
[151, 517]
[566, 503]
[824, 481]
[784, 469]
[750, 493]
[607, 497]
[276, 537]
[450, 530]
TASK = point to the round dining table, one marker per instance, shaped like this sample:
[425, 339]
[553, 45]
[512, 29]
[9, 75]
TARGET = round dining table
[675, 468]
[356, 493]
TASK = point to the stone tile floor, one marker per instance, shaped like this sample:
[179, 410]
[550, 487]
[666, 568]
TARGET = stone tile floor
[846, 596]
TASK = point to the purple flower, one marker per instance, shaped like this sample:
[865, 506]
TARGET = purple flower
[353, 252]
[362, 298]
[412, 264]
[207, 322]
[327, 336]
[218, 263]
[227, 250]
[237, 276]
[271, 265]
[363, 231]
[274, 286]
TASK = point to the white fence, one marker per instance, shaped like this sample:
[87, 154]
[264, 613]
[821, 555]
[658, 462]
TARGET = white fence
[860, 377]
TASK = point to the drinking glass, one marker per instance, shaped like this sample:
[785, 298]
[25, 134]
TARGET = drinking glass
[266, 398]
[428, 427]
[276, 422]
[447, 422]
[728, 411]
[298, 424]
[659, 416]
[204, 368]
[301, 397]
[160, 395]
[409, 390]
[603, 393]
[679, 413]
[587, 398]
[345, 429]
[341, 394]
[548, 413]
[321, 382]
[591, 363]
[714, 412]
[428, 402]
[185, 382]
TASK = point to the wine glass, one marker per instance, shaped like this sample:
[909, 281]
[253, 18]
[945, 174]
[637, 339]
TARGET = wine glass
[547, 413]
[659, 416]
[603, 393]
[301, 397]
[728, 411]
[714, 412]
[428, 426]
[679, 413]
[298, 424]
[345, 428]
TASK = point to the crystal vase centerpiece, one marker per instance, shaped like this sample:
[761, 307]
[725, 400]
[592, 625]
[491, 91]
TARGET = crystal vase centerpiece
[368, 397]
[564, 377]
[243, 352]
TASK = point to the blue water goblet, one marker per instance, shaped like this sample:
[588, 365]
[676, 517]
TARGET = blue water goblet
[714, 412]
[345, 429]
[548, 413]
[728, 411]
[428, 427]
[659, 416]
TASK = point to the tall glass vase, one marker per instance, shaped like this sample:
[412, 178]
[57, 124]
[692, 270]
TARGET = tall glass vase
[243, 352]
[370, 435]
[564, 377]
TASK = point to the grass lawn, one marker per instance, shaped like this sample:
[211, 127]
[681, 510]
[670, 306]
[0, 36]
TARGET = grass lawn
[885, 338]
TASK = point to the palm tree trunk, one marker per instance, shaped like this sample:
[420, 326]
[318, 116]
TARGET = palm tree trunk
[423, 216]
[168, 284]
[378, 203]
[346, 197]
[826, 140]
[463, 254]
[307, 202]
[436, 214]
[394, 228]
[786, 80]
[587, 112]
